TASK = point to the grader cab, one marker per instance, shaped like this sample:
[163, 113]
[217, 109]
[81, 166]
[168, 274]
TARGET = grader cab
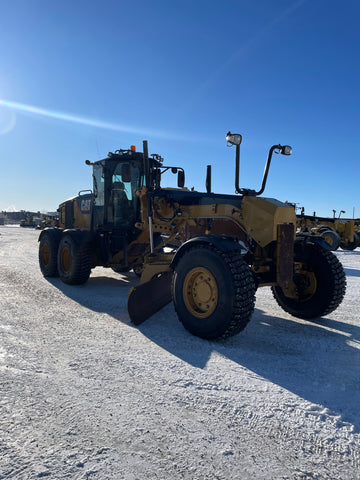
[206, 252]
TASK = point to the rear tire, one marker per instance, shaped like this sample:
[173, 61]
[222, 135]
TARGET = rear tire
[352, 245]
[320, 284]
[74, 261]
[48, 248]
[213, 292]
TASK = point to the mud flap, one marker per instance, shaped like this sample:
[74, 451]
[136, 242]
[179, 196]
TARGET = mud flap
[148, 298]
[285, 254]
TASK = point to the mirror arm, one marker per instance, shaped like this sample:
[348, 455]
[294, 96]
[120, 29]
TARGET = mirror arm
[284, 150]
[237, 170]
[267, 167]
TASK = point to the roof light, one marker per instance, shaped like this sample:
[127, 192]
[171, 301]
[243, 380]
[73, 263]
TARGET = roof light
[133, 148]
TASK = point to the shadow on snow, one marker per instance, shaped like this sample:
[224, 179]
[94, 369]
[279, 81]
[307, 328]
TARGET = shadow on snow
[352, 272]
[318, 360]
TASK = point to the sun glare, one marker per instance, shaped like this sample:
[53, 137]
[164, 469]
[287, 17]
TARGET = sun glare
[7, 121]
[21, 107]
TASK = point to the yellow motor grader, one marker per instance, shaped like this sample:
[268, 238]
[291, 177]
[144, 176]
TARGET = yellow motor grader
[357, 227]
[27, 221]
[206, 252]
[337, 232]
[47, 221]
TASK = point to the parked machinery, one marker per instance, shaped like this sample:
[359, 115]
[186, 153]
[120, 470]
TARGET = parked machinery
[27, 221]
[337, 232]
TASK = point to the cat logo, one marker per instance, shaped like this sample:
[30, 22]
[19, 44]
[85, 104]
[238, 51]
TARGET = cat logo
[85, 205]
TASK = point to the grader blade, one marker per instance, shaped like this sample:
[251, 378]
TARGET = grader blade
[148, 298]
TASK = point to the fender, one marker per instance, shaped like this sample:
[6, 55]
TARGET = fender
[314, 239]
[55, 233]
[80, 236]
[221, 242]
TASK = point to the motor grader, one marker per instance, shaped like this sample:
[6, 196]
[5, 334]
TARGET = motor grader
[27, 221]
[206, 252]
[47, 221]
[337, 232]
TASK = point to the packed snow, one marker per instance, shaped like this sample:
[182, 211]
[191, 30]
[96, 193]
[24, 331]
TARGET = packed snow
[87, 395]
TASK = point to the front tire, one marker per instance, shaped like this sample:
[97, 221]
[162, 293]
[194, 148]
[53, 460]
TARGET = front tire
[332, 238]
[320, 283]
[213, 292]
[74, 261]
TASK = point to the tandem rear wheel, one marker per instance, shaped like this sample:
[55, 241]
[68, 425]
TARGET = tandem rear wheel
[74, 260]
[48, 248]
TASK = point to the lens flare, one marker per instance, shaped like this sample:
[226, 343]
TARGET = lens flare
[7, 121]
[67, 117]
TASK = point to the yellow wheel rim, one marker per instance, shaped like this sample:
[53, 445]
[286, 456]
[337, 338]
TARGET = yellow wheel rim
[200, 292]
[66, 259]
[306, 285]
[45, 254]
[329, 240]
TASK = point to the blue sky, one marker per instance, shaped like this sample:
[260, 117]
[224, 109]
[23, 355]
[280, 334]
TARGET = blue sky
[79, 79]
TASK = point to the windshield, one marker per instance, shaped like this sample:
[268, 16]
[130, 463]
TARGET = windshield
[115, 200]
[124, 204]
[99, 194]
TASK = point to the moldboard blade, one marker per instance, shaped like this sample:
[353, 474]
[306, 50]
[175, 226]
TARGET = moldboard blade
[148, 298]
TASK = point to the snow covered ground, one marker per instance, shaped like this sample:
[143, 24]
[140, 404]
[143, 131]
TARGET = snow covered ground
[86, 395]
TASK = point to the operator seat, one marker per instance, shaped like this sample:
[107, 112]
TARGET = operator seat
[120, 204]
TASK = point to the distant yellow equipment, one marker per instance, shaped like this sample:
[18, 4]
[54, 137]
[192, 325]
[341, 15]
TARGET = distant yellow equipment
[28, 221]
[337, 232]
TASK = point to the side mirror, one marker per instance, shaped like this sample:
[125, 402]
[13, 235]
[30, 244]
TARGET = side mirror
[233, 138]
[181, 179]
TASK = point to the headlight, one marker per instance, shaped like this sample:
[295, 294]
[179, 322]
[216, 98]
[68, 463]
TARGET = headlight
[233, 138]
[286, 150]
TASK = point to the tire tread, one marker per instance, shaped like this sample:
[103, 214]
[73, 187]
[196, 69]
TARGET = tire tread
[243, 301]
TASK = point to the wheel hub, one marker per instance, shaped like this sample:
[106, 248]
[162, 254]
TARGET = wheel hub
[66, 259]
[200, 292]
[306, 285]
[45, 254]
